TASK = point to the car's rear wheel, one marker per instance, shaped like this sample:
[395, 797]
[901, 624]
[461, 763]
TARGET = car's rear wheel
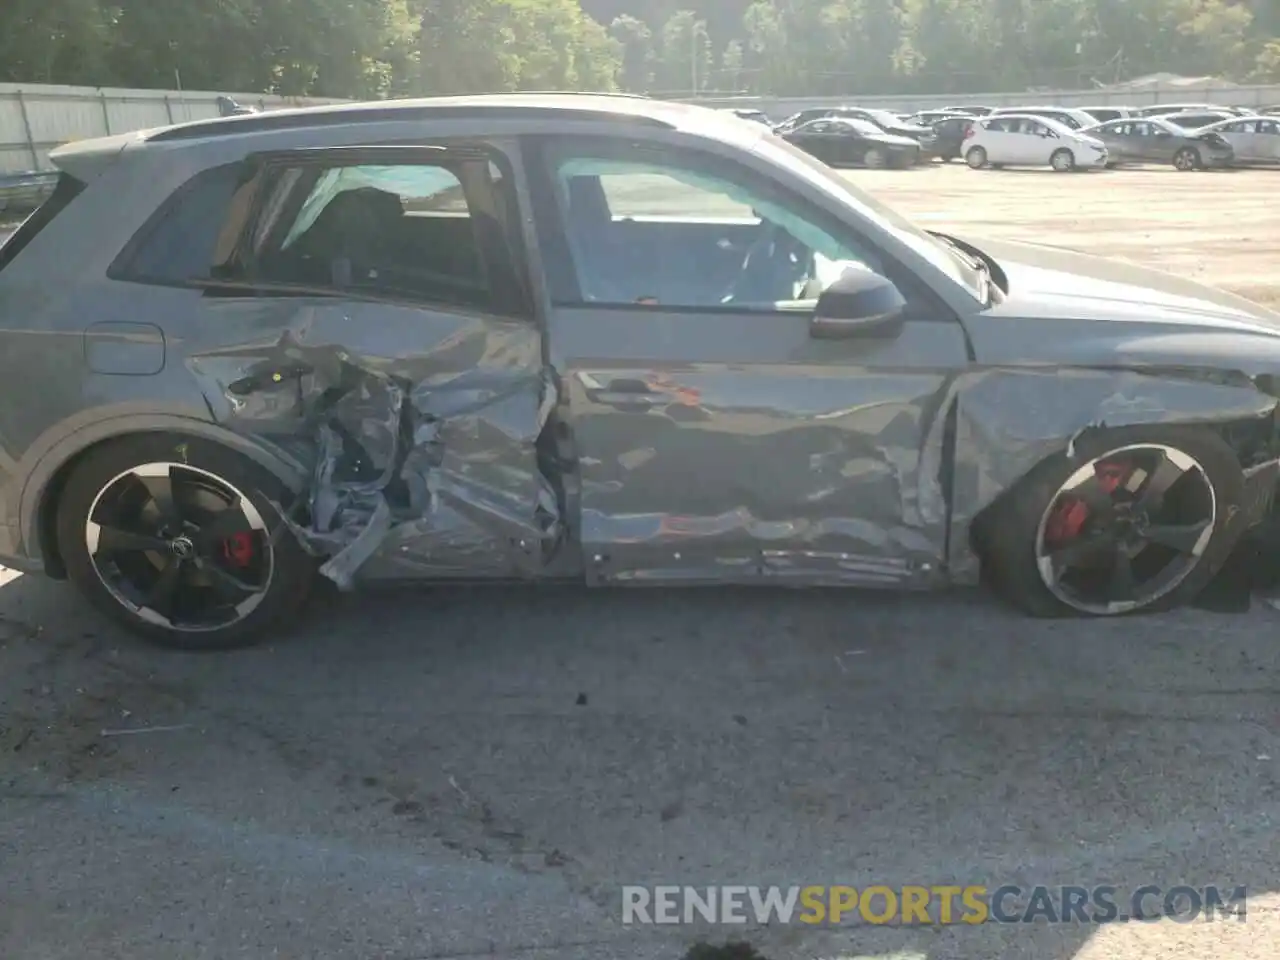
[1063, 160]
[976, 158]
[1188, 158]
[874, 158]
[177, 538]
[1139, 520]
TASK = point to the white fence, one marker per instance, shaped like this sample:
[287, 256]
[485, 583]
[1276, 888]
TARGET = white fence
[35, 118]
[1138, 97]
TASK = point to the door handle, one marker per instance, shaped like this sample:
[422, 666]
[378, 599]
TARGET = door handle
[630, 393]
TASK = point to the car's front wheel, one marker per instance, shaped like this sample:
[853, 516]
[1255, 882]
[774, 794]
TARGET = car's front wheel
[1138, 520]
[177, 538]
[875, 159]
[1063, 160]
[1186, 159]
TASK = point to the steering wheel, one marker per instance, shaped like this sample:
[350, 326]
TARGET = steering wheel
[772, 265]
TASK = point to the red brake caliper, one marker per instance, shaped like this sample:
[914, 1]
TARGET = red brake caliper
[238, 549]
[1066, 521]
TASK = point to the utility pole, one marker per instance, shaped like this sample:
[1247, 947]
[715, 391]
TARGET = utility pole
[693, 57]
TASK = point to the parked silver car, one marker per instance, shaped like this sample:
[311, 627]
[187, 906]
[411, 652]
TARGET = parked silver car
[607, 339]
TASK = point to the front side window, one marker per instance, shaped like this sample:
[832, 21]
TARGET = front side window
[396, 230]
[665, 233]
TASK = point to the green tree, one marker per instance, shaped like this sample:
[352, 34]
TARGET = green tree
[684, 60]
[637, 53]
[731, 60]
[52, 41]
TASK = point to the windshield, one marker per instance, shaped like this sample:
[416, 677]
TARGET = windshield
[939, 253]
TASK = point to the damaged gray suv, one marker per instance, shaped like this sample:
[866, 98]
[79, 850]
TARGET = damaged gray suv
[609, 339]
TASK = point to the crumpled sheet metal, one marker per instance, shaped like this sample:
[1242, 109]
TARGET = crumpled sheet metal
[1009, 420]
[434, 474]
[735, 475]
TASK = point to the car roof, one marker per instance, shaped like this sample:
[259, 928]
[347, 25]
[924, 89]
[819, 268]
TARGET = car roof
[1056, 125]
[538, 110]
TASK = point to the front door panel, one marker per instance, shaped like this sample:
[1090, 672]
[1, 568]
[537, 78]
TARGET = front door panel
[733, 446]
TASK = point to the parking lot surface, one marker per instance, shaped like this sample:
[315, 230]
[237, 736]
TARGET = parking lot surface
[446, 773]
[1217, 227]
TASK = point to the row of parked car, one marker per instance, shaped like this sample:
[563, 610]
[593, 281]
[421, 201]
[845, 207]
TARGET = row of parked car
[1189, 136]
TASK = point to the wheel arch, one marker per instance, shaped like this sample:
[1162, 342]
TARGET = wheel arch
[49, 464]
[1252, 439]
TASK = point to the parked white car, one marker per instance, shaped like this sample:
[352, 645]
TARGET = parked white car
[1254, 139]
[1072, 117]
[1019, 140]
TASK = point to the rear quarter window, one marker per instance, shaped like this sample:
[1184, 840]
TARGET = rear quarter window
[176, 244]
[66, 190]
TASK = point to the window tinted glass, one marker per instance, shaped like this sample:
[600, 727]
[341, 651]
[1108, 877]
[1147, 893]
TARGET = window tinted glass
[177, 244]
[400, 230]
[769, 251]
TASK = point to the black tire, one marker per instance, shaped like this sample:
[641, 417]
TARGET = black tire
[1005, 536]
[976, 158]
[1187, 159]
[292, 568]
[1062, 160]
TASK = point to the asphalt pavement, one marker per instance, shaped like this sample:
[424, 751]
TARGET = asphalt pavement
[454, 773]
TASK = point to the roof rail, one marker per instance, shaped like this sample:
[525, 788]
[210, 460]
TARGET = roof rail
[330, 116]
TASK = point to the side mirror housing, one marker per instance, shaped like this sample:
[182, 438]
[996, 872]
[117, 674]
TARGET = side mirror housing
[858, 304]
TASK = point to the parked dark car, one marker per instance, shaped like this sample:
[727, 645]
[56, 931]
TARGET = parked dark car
[893, 124]
[1104, 114]
[883, 119]
[758, 116]
[846, 141]
[600, 339]
[927, 118]
[949, 136]
[1193, 120]
[803, 117]
[229, 107]
[1156, 140]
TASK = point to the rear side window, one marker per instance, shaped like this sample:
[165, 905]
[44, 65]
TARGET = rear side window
[176, 245]
[66, 190]
[404, 231]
